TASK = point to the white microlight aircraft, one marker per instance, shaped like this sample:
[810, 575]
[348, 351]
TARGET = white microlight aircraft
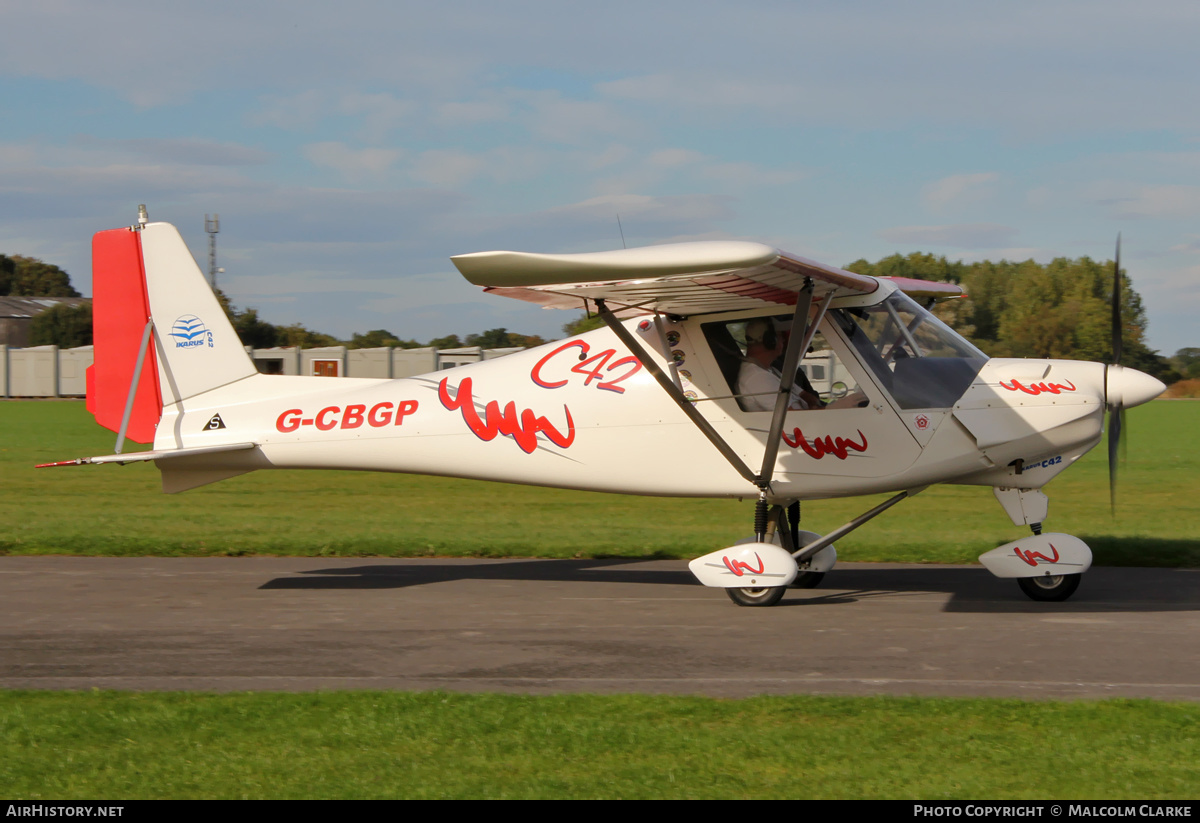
[727, 369]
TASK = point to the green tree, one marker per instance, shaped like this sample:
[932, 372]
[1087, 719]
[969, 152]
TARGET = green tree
[29, 277]
[297, 335]
[1026, 309]
[63, 326]
[490, 339]
[450, 341]
[374, 339]
[917, 265]
[527, 341]
[253, 331]
[1187, 362]
[582, 324]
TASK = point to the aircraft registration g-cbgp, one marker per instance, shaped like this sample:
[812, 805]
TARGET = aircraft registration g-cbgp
[738, 369]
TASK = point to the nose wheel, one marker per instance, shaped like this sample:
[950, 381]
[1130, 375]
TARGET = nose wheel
[1050, 588]
[757, 597]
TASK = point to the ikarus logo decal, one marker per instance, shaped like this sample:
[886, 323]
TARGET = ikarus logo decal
[190, 332]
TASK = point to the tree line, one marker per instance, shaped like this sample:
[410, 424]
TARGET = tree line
[259, 334]
[29, 277]
[1061, 309]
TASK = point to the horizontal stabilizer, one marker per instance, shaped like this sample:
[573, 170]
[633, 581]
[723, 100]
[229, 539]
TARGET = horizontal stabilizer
[135, 457]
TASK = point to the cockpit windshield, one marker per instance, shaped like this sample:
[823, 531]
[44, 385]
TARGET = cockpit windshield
[920, 360]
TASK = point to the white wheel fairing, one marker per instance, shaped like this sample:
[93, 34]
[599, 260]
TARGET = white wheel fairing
[1039, 555]
[745, 566]
[821, 562]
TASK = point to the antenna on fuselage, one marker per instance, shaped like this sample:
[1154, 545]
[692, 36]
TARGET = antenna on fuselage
[621, 230]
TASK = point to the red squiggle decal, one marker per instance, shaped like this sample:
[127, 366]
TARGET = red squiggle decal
[522, 428]
[1032, 557]
[1038, 388]
[739, 568]
[820, 447]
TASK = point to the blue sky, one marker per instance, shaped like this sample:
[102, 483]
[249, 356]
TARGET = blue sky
[351, 148]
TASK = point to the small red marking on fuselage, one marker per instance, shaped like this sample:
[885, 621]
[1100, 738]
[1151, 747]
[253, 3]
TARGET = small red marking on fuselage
[1032, 557]
[739, 568]
[1039, 388]
[523, 428]
[837, 446]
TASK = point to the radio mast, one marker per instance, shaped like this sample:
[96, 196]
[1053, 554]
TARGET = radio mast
[212, 225]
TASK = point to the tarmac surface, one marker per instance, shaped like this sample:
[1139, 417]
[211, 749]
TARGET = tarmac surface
[543, 626]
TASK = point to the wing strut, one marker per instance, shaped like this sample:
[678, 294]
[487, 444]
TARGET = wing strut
[798, 343]
[668, 385]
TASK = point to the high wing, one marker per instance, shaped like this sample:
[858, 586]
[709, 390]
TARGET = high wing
[680, 278]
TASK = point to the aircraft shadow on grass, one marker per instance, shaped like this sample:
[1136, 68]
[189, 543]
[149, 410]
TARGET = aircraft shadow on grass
[1108, 589]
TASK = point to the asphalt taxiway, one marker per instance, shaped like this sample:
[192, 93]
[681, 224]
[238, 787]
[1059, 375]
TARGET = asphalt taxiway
[542, 626]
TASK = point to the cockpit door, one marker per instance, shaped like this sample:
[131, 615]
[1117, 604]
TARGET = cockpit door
[853, 431]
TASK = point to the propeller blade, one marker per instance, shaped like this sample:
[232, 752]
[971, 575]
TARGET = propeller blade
[1115, 419]
[1116, 411]
[1116, 306]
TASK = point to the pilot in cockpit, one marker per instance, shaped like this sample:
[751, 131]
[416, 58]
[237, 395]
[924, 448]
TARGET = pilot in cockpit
[759, 377]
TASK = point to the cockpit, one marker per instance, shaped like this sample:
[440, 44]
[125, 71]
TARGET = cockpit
[896, 344]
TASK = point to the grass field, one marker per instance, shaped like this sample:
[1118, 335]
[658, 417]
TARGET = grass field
[102, 745]
[111, 510]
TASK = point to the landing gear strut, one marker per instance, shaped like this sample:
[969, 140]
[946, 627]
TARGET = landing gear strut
[779, 525]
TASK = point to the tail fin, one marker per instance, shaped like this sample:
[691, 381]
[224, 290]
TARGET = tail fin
[143, 273]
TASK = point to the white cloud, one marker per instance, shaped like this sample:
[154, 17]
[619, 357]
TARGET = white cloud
[551, 116]
[643, 215]
[470, 113]
[669, 158]
[750, 175]
[962, 235]
[302, 110]
[1162, 201]
[700, 90]
[451, 169]
[382, 113]
[616, 153]
[192, 151]
[1190, 247]
[354, 164]
[956, 189]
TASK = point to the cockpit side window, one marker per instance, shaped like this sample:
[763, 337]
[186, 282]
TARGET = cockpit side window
[921, 361]
[750, 354]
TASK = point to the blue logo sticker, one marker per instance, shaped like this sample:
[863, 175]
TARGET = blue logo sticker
[190, 332]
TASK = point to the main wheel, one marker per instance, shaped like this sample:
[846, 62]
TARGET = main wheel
[764, 596]
[1050, 588]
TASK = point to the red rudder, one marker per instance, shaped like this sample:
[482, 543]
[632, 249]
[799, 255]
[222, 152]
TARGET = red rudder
[120, 309]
